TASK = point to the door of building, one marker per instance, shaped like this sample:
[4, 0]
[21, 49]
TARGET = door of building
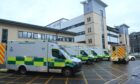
[4, 35]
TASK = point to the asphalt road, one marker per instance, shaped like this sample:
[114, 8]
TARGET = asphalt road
[98, 73]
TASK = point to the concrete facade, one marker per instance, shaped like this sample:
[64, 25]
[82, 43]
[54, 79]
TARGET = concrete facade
[89, 28]
[100, 35]
[13, 32]
[95, 29]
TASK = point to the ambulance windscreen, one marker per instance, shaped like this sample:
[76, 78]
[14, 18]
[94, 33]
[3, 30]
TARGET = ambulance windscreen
[65, 50]
[106, 52]
[82, 52]
[93, 53]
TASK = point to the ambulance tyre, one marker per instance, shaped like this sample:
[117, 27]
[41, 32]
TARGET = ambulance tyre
[22, 70]
[88, 62]
[109, 59]
[114, 62]
[67, 72]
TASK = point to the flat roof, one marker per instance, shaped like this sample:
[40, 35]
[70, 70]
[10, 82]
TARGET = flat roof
[101, 2]
[112, 29]
[57, 21]
[26, 25]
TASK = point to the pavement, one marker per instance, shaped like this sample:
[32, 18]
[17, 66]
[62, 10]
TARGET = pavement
[98, 73]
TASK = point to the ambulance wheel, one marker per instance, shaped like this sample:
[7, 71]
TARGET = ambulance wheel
[132, 59]
[22, 70]
[88, 62]
[67, 72]
[114, 62]
[109, 59]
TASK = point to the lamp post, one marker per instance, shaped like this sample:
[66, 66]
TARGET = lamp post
[137, 40]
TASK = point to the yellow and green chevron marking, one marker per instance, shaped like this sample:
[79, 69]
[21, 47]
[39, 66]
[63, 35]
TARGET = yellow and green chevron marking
[20, 60]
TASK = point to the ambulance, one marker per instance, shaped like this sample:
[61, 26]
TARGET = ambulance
[92, 53]
[119, 54]
[101, 54]
[79, 52]
[40, 56]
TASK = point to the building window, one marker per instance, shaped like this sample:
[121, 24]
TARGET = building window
[42, 36]
[51, 37]
[88, 19]
[25, 34]
[29, 35]
[39, 36]
[89, 29]
[48, 37]
[35, 35]
[20, 34]
[70, 40]
[120, 35]
[54, 37]
[66, 39]
[89, 41]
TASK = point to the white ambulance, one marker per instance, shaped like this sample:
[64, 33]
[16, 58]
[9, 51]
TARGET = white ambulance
[40, 56]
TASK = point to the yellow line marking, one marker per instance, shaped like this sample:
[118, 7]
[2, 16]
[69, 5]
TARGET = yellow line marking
[32, 80]
[66, 82]
[86, 82]
[48, 80]
[117, 70]
[98, 75]
[106, 70]
[5, 76]
[108, 82]
[15, 79]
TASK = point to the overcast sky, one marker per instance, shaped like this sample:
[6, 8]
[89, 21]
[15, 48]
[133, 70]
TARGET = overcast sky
[43, 12]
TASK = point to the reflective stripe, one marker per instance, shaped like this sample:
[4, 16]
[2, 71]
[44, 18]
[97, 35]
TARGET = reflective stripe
[28, 59]
[38, 63]
[50, 60]
[68, 61]
[19, 62]
[59, 64]
[84, 58]
[45, 59]
[2, 52]
[11, 58]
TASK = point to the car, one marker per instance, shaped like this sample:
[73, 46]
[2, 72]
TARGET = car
[132, 58]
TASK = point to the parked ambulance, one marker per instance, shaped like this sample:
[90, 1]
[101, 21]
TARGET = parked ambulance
[78, 52]
[101, 54]
[40, 56]
[92, 53]
[119, 54]
[106, 54]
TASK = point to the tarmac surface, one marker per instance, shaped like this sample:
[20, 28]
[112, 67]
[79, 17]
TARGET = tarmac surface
[103, 72]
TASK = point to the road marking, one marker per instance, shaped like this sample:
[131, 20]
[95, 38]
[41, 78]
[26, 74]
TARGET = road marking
[117, 69]
[98, 75]
[86, 82]
[107, 71]
[5, 76]
[48, 80]
[108, 82]
[15, 79]
[32, 80]
[66, 82]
